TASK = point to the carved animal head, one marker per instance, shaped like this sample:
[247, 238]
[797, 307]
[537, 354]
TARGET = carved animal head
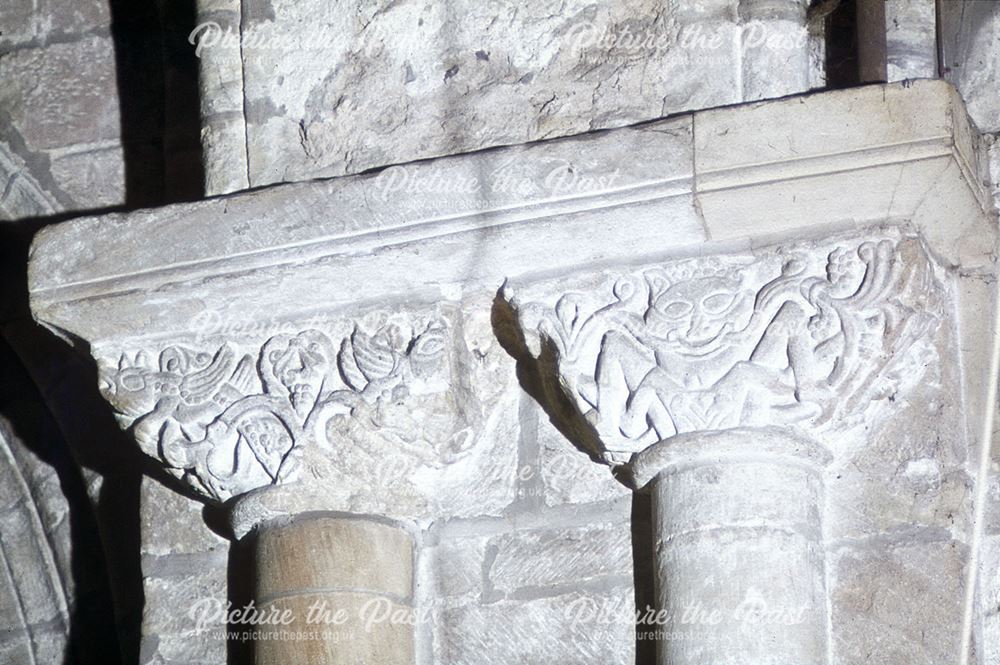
[694, 316]
[136, 388]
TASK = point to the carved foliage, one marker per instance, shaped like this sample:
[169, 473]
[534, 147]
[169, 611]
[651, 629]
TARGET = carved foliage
[707, 344]
[228, 423]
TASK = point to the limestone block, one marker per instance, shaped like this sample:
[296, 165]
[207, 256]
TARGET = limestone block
[969, 32]
[536, 560]
[94, 178]
[37, 582]
[43, 645]
[913, 469]
[171, 523]
[776, 56]
[205, 649]
[857, 129]
[988, 646]
[898, 602]
[568, 475]
[580, 629]
[29, 22]
[176, 602]
[515, 73]
[911, 39]
[62, 94]
[454, 567]
[16, 17]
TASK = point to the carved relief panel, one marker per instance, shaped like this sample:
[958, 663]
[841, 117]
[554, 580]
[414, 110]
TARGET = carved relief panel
[810, 335]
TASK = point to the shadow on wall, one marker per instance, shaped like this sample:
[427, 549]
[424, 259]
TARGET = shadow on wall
[539, 378]
[49, 392]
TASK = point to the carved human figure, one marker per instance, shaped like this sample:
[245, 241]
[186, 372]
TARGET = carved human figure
[702, 346]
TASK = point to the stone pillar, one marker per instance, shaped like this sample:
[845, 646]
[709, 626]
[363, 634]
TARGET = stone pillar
[345, 582]
[738, 546]
[721, 386]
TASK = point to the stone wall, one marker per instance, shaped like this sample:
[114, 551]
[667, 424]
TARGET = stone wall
[543, 533]
[299, 90]
[60, 138]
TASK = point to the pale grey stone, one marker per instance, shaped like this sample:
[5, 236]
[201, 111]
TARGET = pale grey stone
[543, 559]
[898, 603]
[988, 645]
[454, 567]
[911, 39]
[171, 523]
[969, 33]
[172, 603]
[515, 73]
[209, 648]
[567, 474]
[37, 581]
[37, 21]
[62, 94]
[94, 178]
[576, 629]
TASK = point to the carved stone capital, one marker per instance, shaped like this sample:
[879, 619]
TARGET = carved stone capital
[813, 335]
[229, 418]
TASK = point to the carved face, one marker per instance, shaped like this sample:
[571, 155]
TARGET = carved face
[695, 316]
[298, 366]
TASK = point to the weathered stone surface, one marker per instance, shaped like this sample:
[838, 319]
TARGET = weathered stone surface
[516, 74]
[898, 603]
[988, 644]
[969, 33]
[912, 470]
[454, 567]
[349, 553]
[339, 629]
[61, 95]
[175, 602]
[540, 560]
[911, 39]
[95, 178]
[567, 474]
[26, 556]
[171, 523]
[33, 21]
[578, 628]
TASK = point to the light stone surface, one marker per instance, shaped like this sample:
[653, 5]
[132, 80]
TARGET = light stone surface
[910, 39]
[62, 95]
[384, 332]
[565, 558]
[969, 32]
[897, 603]
[171, 523]
[577, 628]
[311, 75]
[60, 133]
[173, 594]
[36, 585]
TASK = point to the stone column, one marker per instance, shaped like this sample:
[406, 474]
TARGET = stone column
[342, 579]
[719, 386]
[287, 429]
[739, 546]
